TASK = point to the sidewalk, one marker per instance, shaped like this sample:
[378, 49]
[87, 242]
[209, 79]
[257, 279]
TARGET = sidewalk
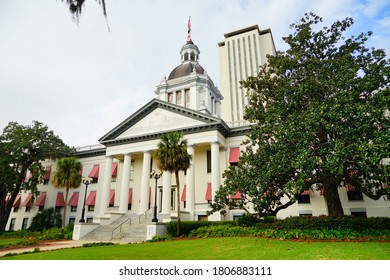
[50, 245]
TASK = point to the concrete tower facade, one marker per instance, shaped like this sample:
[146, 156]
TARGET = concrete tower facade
[240, 55]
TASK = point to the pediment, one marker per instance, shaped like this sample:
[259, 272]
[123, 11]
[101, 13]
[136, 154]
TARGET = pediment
[159, 121]
[156, 118]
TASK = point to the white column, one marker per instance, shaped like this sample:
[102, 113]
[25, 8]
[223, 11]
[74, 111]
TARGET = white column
[215, 172]
[104, 200]
[124, 199]
[190, 182]
[166, 193]
[144, 199]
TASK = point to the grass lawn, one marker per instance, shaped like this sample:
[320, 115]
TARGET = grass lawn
[228, 248]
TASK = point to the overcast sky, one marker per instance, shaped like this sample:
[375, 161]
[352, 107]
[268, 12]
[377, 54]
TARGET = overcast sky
[82, 80]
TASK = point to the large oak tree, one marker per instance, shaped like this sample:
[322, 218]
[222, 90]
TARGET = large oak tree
[321, 121]
[22, 151]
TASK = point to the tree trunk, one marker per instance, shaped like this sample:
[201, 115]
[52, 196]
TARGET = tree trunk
[64, 219]
[332, 199]
[178, 202]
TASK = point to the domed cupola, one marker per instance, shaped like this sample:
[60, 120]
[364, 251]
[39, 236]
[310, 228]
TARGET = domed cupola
[189, 85]
[189, 54]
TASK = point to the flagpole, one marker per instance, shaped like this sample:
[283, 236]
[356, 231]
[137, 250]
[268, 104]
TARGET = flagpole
[189, 29]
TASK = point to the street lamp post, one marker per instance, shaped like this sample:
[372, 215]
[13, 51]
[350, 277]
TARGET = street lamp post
[86, 181]
[156, 176]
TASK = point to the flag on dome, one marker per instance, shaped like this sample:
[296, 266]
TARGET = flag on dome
[189, 30]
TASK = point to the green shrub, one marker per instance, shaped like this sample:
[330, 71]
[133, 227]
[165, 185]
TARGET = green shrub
[247, 221]
[46, 219]
[97, 244]
[335, 223]
[187, 226]
[51, 234]
[158, 238]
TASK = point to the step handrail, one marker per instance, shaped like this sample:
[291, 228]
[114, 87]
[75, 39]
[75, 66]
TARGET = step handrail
[129, 219]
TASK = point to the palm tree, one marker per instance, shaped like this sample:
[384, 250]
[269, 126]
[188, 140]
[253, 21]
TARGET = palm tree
[172, 156]
[67, 175]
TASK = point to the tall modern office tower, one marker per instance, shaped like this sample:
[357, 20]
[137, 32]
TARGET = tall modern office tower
[240, 55]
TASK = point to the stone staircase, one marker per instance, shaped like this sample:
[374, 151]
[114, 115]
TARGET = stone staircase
[130, 228]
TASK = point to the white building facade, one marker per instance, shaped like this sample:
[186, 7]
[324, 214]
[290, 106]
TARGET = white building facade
[189, 102]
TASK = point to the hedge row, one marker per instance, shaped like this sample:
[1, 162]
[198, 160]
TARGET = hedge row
[319, 234]
[322, 225]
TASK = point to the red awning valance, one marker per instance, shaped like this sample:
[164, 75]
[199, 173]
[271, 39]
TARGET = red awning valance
[350, 188]
[306, 192]
[27, 201]
[41, 200]
[112, 197]
[237, 195]
[7, 199]
[60, 201]
[17, 201]
[47, 173]
[94, 172]
[114, 169]
[209, 192]
[184, 194]
[74, 200]
[130, 196]
[234, 155]
[91, 199]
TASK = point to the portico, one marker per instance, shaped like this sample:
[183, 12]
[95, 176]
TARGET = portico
[135, 162]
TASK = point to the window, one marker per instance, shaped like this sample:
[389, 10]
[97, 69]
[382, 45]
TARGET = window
[89, 220]
[130, 201]
[355, 195]
[72, 220]
[91, 207]
[112, 198]
[187, 98]
[46, 177]
[74, 201]
[208, 161]
[178, 97]
[352, 193]
[12, 224]
[234, 155]
[28, 209]
[358, 212]
[305, 215]
[25, 223]
[94, 174]
[203, 218]
[170, 97]
[114, 171]
[173, 198]
[304, 198]
[132, 170]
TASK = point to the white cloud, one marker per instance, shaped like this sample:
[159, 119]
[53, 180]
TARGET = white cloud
[83, 80]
